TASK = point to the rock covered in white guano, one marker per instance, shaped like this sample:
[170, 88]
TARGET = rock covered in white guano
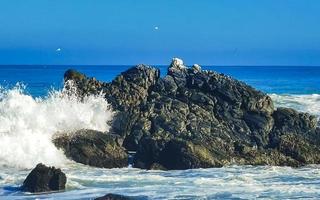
[177, 63]
[196, 68]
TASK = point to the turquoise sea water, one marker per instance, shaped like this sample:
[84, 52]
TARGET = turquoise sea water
[30, 116]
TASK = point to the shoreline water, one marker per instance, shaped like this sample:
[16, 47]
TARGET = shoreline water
[232, 182]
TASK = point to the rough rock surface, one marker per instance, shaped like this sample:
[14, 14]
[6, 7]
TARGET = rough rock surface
[194, 118]
[93, 148]
[44, 179]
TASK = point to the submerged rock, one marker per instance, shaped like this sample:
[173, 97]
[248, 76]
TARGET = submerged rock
[193, 118]
[119, 197]
[93, 148]
[44, 179]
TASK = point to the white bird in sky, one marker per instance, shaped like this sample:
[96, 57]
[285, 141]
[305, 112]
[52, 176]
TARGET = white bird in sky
[156, 28]
[58, 49]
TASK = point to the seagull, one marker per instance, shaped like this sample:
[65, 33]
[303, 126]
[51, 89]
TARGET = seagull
[58, 49]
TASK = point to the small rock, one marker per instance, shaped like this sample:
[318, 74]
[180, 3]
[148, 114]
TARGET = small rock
[44, 179]
[73, 75]
[118, 197]
[157, 166]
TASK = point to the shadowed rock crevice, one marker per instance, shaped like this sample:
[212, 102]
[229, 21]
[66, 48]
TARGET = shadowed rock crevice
[193, 118]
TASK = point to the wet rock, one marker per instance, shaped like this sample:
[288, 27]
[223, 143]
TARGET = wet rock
[148, 152]
[82, 83]
[115, 197]
[157, 166]
[290, 121]
[298, 148]
[93, 148]
[44, 179]
[180, 154]
[111, 196]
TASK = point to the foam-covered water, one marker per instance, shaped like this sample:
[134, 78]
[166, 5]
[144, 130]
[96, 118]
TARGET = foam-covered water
[27, 124]
[304, 103]
[234, 182]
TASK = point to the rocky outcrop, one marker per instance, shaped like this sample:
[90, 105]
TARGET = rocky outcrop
[296, 135]
[93, 148]
[193, 118]
[44, 179]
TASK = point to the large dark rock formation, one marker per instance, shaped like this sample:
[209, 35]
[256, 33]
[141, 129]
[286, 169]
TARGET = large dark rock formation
[194, 118]
[93, 148]
[44, 179]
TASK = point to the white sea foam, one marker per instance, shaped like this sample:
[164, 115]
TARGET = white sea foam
[232, 182]
[28, 124]
[303, 103]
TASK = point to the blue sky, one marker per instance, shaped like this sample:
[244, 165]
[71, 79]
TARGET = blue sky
[209, 32]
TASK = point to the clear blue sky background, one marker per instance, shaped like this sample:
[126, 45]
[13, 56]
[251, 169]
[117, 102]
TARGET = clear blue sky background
[215, 32]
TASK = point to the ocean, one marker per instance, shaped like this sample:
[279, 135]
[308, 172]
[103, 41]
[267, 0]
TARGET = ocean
[33, 108]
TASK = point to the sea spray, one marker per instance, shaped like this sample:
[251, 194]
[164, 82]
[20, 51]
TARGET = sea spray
[303, 103]
[28, 124]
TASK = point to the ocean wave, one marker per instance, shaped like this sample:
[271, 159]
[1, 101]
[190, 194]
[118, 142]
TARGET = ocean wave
[304, 103]
[27, 124]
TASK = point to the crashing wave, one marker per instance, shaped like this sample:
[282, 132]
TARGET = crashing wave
[28, 124]
[303, 103]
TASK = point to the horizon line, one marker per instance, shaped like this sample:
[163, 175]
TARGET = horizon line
[205, 65]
